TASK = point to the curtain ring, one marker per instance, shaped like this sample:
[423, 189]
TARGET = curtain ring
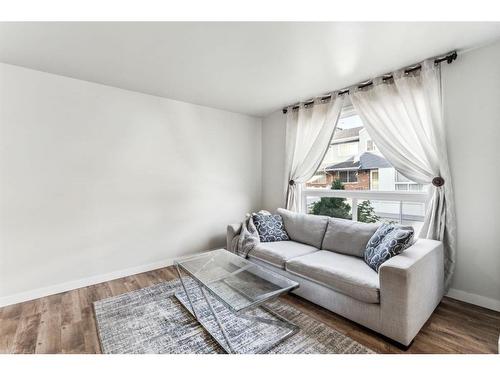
[438, 181]
[291, 182]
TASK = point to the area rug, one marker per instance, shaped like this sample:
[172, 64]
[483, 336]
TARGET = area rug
[152, 320]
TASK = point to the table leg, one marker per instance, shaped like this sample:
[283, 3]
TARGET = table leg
[226, 343]
[193, 311]
[221, 326]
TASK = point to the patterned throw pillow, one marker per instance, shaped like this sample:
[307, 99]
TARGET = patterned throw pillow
[389, 240]
[270, 228]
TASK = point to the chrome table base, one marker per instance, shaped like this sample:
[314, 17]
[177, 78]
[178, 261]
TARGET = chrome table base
[187, 297]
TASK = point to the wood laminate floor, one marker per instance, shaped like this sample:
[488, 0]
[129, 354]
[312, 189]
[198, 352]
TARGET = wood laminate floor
[64, 323]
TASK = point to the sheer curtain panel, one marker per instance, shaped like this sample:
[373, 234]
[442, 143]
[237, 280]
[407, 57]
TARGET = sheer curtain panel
[309, 130]
[404, 117]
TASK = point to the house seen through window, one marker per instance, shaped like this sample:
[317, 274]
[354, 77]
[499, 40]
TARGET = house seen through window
[354, 162]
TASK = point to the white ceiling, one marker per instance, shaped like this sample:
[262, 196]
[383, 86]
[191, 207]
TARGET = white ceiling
[252, 68]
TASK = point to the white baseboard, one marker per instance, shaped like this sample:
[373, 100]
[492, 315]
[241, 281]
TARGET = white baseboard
[474, 299]
[75, 284]
[460, 295]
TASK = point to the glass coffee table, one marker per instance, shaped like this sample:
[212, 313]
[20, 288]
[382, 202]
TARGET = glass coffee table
[230, 296]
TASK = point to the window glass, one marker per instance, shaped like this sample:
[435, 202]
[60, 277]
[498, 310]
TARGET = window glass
[333, 207]
[354, 162]
[374, 180]
[413, 214]
[354, 159]
[416, 187]
[343, 176]
[401, 178]
[353, 176]
[320, 179]
[370, 146]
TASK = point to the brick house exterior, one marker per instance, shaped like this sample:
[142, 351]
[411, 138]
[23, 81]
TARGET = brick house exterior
[363, 181]
[352, 168]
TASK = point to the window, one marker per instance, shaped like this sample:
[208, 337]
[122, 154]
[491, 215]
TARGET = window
[370, 146]
[355, 158]
[319, 179]
[356, 181]
[346, 176]
[416, 187]
[374, 179]
[401, 183]
[400, 178]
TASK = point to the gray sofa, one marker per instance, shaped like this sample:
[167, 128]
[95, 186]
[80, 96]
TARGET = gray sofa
[325, 255]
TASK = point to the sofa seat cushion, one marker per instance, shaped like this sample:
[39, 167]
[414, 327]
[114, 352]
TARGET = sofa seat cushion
[347, 236]
[344, 273]
[308, 229]
[278, 253]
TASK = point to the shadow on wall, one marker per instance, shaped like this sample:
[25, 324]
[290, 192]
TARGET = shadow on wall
[217, 242]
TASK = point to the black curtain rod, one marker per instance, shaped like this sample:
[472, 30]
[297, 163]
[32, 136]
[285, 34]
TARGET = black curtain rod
[449, 58]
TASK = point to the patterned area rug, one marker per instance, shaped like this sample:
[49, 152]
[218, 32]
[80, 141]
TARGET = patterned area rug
[152, 320]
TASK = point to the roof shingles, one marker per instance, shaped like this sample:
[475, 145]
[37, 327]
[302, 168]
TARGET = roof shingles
[367, 160]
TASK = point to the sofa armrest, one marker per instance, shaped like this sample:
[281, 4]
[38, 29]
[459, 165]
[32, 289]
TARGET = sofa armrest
[411, 286]
[232, 230]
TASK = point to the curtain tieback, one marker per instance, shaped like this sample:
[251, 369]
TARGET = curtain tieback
[291, 182]
[438, 181]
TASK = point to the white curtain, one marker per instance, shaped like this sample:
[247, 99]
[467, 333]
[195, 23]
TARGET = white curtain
[309, 130]
[404, 118]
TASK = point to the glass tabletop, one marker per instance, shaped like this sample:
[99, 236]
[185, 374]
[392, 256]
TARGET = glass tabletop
[237, 282]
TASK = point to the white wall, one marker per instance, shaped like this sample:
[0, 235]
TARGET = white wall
[273, 161]
[386, 178]
[472, 113]
[95, 180]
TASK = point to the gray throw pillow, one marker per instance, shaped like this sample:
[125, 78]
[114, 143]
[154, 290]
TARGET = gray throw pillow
[270, 228]
[389, 240]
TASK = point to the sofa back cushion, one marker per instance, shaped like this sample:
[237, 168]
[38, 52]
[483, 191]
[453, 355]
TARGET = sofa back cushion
[308, 229]
[347, 236]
